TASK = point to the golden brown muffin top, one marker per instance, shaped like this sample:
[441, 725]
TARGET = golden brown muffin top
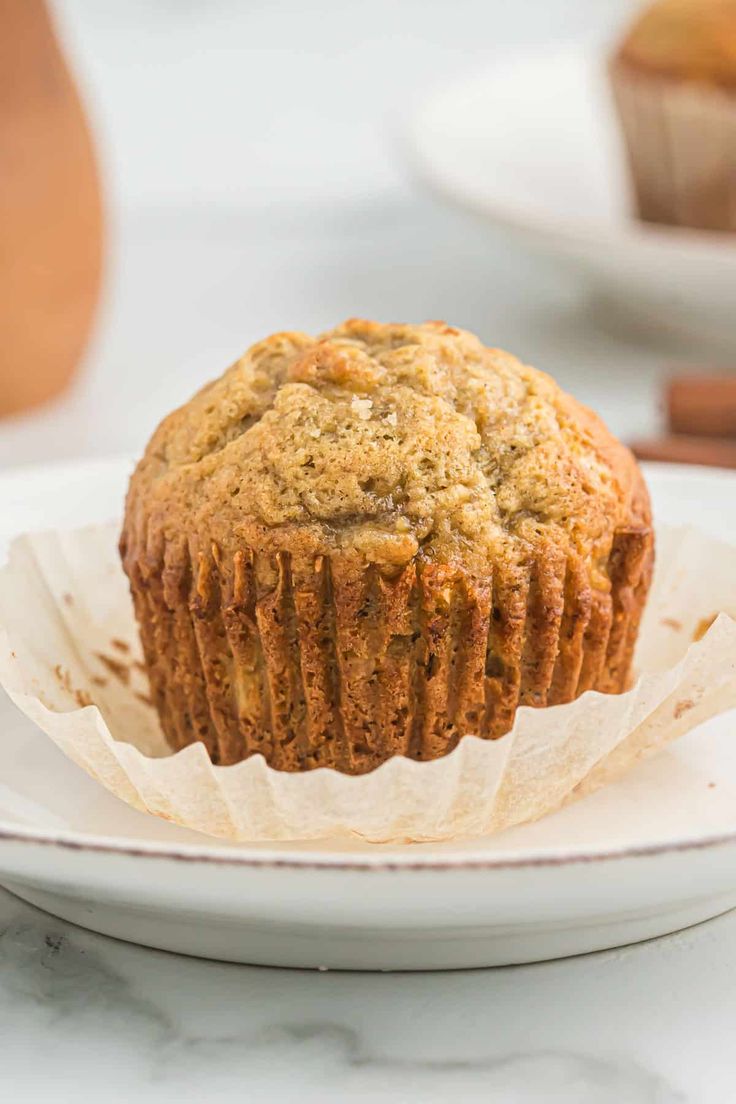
[392, 441]
[685, 39]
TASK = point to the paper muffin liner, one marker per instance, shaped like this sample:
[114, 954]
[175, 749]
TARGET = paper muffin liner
[70, 659]
[680, 139]
[328, 662]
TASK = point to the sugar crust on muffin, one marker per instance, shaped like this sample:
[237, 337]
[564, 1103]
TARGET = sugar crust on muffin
[377, 541]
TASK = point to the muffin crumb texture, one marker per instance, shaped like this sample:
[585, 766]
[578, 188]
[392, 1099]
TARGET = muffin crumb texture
[377, 541]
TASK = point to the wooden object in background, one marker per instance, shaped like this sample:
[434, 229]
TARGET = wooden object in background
[50, 212]
[714, 452]
[704, 405]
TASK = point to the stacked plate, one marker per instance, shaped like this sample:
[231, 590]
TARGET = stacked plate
[647, 855]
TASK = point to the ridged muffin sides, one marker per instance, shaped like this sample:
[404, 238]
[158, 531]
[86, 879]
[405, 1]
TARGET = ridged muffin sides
[376, 542]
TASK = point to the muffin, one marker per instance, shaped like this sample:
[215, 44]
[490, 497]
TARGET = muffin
[375, 542]
[674, 84]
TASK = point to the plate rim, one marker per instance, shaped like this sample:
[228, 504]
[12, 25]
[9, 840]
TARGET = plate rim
[393, 862]
[358, 862]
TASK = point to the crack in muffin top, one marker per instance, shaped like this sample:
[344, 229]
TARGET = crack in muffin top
[395, 442]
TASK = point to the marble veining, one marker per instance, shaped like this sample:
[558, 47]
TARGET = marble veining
[85, 1017]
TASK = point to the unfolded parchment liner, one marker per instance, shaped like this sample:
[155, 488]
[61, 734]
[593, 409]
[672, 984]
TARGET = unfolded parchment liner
[69, 658]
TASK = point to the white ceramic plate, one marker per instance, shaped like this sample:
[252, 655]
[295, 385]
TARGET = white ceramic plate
[653, 853]
[532, 145]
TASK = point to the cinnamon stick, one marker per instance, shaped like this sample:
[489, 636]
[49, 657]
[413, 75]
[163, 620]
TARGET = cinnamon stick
[702, 405]
[687, 449]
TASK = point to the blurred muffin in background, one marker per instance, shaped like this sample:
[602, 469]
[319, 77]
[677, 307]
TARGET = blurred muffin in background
[674, 83]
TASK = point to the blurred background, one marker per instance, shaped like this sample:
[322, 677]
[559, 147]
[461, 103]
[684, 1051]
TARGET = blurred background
[255, 176]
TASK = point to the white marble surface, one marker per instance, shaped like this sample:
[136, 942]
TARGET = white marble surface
[215, 243]
[86, 1018]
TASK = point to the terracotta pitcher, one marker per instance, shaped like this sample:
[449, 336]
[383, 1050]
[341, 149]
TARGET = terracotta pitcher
[50, 212]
